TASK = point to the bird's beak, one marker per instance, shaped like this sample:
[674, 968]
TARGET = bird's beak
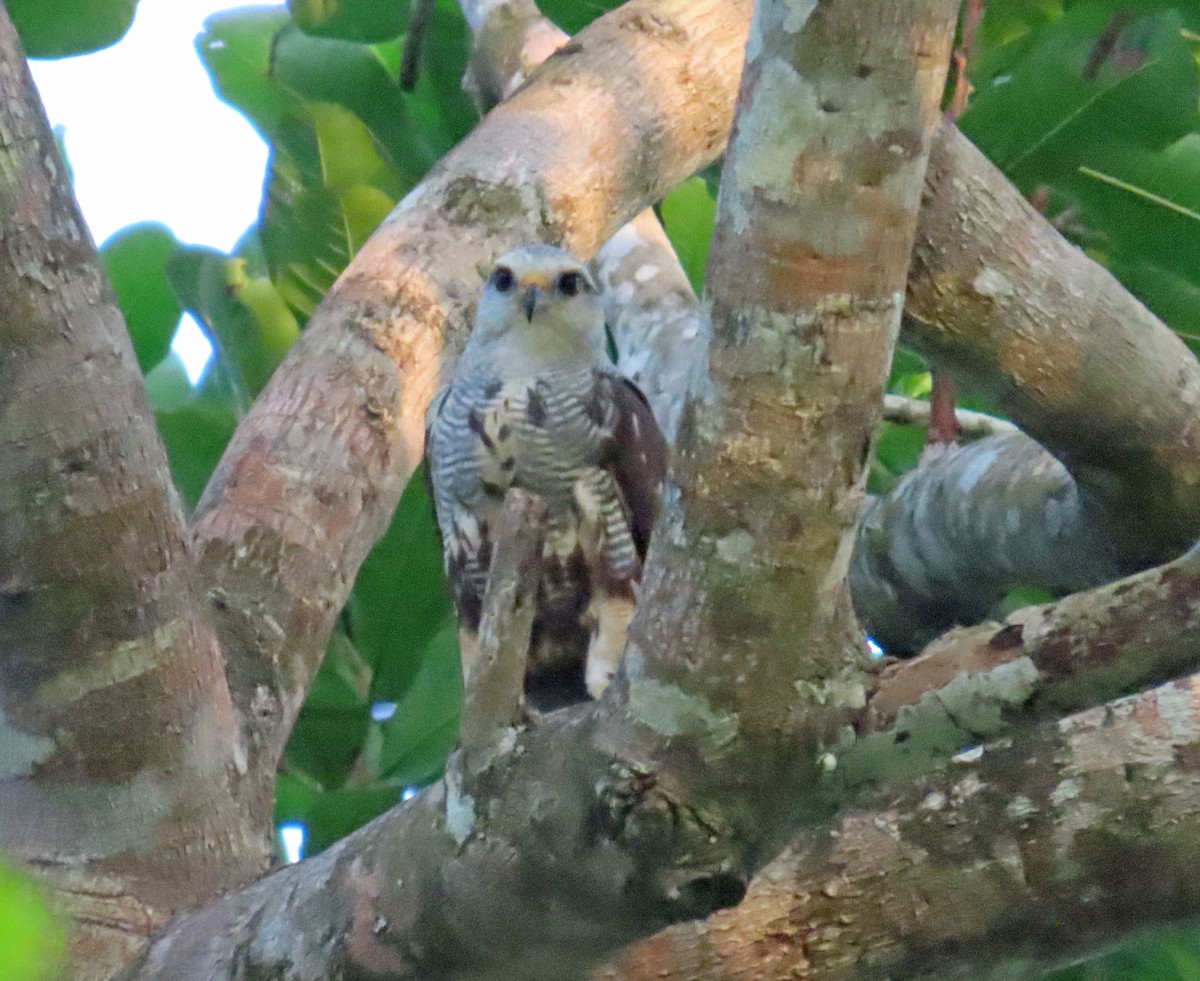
[531, 299]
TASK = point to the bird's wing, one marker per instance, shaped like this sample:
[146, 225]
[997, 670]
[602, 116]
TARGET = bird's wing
[633, 450]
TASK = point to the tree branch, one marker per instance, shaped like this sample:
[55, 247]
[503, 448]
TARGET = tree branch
[754, 549]
[905, 411]
[118, 743]
[495, 687]
[1002, 300]
[313, 473]
[1019, 856]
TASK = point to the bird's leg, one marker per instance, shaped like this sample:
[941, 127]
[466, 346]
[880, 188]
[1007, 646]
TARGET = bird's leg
[468, 649]
[612, 616]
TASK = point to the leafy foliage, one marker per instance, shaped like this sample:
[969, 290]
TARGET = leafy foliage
[31, 942]
[1089, 105]
[56, 28]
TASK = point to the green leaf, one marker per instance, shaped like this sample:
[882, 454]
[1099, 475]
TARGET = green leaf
[334, 814]
[421, 733]
[57, 28]
[351, 20]
[295, 794]
[326, 740]
[689, 215]
[897, 451]
[168, 386]
[401, 601]
[195, 436]
[236, 49]
[1045, 117]
[208, 284]
[574, 15]
[136, 260]
[1146, 205]
[32, 943]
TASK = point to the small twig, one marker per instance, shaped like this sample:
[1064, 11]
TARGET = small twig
[971, 425]
[495, 689]
[1106, 44]
[420, 16]
[972, 15]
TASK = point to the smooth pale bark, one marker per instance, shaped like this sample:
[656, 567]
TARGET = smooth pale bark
[310, 479]
[905, 411]
[119, 751]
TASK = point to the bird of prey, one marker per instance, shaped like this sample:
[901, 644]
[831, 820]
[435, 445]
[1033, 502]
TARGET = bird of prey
[535, 402]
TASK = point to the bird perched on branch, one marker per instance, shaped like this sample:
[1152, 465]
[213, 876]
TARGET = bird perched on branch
[534, 402]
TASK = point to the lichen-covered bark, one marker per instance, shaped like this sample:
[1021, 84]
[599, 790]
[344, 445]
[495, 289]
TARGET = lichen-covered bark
[744, 604]
[1083, 650]
[1022, 856]
[119, 749]
[642, 99]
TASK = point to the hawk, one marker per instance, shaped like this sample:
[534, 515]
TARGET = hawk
[535, 402]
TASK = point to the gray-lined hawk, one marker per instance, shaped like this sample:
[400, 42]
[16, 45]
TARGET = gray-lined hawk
[534, 402]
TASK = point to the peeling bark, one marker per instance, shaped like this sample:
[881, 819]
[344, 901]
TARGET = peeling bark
[119, 750]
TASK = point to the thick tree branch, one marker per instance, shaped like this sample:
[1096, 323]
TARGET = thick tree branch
[1000, 298]
[1006, 303]
[118, 743]
[1083, 650]
[744, 604]
[643, 99]
[1019, 856]
[1033, 809]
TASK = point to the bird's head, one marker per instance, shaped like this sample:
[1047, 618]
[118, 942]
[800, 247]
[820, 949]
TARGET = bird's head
[543, 299]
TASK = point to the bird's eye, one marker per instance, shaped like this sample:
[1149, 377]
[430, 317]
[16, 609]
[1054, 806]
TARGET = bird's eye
[570, 283]
[503, 279]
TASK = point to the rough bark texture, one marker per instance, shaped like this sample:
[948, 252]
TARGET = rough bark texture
[616, 818]
[120, 763]
[815, 219]
[642, 99]
[1081, 651]
[1019, 858]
